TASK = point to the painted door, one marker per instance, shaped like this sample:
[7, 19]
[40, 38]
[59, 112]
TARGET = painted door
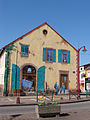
[40, 79]
[64, 79]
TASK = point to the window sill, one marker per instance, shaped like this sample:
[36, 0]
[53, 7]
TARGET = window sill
[48, 61]
[24, 56]
[64, 63]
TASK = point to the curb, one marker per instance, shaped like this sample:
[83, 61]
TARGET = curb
[78, 101]
[66, 102]
[18, 105]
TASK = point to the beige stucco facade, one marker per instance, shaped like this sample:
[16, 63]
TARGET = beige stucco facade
[37, 41]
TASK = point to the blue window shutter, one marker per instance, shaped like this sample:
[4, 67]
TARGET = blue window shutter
[26, 50]
[40, 79]
[44, 54]
[54, 55]
[59, 56]
[5, 81]
[18, 77]
[22, 50]
[13, 77]
[68, 56]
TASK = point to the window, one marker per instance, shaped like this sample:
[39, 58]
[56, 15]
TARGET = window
[29, 70]
[50, 55]
[82, 75]
[88, 74]
[24, 50]
[64, 56]
[44, 32]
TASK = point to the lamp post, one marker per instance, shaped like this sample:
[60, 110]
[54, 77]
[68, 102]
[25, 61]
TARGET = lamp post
[84, 50]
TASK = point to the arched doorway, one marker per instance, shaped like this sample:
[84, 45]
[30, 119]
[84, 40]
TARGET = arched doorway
[29, 78]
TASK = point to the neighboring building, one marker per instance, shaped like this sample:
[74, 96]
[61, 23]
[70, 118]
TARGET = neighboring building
[87, 79]
[84, 74]
[38, 59]
[2, 70]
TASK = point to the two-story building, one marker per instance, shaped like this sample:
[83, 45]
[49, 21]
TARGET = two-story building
[84, 76]
[87, 78]
[37, 60]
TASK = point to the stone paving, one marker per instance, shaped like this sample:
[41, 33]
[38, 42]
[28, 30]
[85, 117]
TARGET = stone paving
[32, 99]
[19, 117]
[66, 115]
[27, 100]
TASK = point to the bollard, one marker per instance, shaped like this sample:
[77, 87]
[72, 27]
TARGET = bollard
[17, 100]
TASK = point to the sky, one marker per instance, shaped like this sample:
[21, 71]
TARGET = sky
[70, 18]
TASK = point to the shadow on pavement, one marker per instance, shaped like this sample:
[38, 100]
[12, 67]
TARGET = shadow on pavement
[64, 114]
[53, 115]
[14, 116]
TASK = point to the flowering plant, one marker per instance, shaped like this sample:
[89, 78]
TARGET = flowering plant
[42, 101]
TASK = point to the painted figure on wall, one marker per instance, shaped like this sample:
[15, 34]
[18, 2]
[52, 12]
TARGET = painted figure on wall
[56, 88]
[62, 88]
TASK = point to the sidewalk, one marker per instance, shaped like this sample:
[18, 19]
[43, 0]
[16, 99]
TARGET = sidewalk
[19, 117]
[31, 100]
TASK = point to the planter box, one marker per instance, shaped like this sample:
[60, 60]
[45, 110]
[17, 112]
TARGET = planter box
[49, 110]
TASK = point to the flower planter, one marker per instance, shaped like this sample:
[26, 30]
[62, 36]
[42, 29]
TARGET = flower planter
[49, 110]
[14, 92]
[18, 90]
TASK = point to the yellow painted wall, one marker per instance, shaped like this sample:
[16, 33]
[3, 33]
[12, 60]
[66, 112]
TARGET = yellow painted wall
[37, 41]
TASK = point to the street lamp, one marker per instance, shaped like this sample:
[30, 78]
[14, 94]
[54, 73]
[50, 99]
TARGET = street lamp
[84, 50]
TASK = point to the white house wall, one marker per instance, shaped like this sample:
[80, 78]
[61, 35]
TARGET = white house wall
[2, 70]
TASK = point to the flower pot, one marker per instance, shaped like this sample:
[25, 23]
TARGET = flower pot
[49, 110]
[18, 90]
[14, 90]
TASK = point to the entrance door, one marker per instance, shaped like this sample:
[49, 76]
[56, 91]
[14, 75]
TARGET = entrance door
[64, 80]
